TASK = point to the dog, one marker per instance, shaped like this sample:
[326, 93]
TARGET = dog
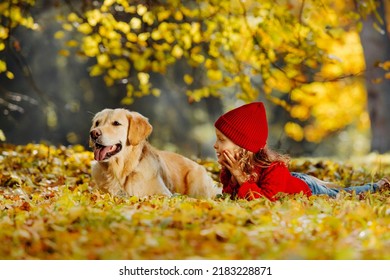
[125, 161]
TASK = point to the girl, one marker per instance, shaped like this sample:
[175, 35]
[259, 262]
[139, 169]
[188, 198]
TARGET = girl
[250, 170]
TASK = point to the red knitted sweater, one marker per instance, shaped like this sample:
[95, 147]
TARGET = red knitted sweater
[272, 180]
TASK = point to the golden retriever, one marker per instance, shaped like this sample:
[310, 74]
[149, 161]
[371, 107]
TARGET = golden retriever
[126, 162]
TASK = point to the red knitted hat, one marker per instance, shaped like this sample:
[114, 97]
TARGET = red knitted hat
[246, 126]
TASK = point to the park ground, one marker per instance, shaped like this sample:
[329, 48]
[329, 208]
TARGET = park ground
[50, 209]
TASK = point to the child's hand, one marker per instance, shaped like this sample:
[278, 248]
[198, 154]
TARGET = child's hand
[232, 163]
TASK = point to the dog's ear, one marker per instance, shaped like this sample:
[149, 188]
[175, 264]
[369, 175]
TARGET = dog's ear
[139, 128]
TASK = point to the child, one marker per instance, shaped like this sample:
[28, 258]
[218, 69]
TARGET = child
[251, 170]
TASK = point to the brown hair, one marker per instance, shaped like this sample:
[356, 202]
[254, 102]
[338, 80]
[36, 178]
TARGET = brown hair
[250, 162]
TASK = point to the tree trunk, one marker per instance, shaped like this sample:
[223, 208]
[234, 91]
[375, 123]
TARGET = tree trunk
[376, 46]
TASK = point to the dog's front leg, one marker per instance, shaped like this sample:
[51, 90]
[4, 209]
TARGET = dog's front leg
[154, 186]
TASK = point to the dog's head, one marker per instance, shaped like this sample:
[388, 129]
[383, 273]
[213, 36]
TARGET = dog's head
[112, 129]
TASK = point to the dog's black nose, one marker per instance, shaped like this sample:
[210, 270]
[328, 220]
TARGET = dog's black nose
[95, 133]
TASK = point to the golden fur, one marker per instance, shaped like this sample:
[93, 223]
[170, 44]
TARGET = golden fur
[126, 162]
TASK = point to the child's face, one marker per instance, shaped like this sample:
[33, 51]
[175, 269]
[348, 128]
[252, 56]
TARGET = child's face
[224, 144]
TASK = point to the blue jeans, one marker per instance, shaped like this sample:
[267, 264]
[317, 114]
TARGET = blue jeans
[317, 188]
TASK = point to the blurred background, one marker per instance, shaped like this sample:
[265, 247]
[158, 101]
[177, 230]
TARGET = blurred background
[321, 67]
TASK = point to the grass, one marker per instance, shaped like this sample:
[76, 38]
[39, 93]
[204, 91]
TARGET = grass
[49, 209]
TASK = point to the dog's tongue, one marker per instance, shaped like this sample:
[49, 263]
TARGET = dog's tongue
[100, 153]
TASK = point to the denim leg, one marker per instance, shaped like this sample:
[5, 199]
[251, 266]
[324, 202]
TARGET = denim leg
[314, 186]
[317, 188]
[370, 187]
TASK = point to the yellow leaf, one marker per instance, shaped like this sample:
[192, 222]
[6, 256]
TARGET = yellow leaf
[135, 23]
[129, 89]
[157, 66]
[163, 15]
[2, 136]
[67, 27]
[188, 79]
[85, 28]
[156, 35]
[108, 80]
[143, 78]
[129, 9]
[63, 52]
[163, 27]
[10, 75]
[108, 3]
[156, 92]
[141, 10]
[300, 112]
[178, 16]
[3, 66]
[197, 94]
[90, 46]
[93, 17]
[122, 65]
[115, 74]
[314, 134]
[294, 58]
[51, 117]
[197, 58]
[187, 40]
[215, 75]
[15, 13]
[73, 17]
[385, 65]
[143, 36]
[104, 60]
[59, 35]
[145, 89]
[103, 31]
[294, 131]
[123, 27]
[131, 37]
[140, 63]
[72, 43]
[3, 32]
[96, 70]
[271, 55]
[177, 51]
[127, 100]
[148, 18]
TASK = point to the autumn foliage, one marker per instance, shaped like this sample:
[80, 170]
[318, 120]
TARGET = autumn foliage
[302, 55]
[49, 209]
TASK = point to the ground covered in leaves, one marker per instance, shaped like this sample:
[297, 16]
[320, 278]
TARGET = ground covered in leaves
[49, 209]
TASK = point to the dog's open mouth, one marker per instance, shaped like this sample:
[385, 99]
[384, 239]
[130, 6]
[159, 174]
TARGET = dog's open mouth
[105, 152]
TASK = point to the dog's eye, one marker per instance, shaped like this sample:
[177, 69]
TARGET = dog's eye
[97, 123]
[115, 123]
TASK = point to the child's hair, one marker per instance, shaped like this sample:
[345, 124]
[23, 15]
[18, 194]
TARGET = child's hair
[250, 162]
